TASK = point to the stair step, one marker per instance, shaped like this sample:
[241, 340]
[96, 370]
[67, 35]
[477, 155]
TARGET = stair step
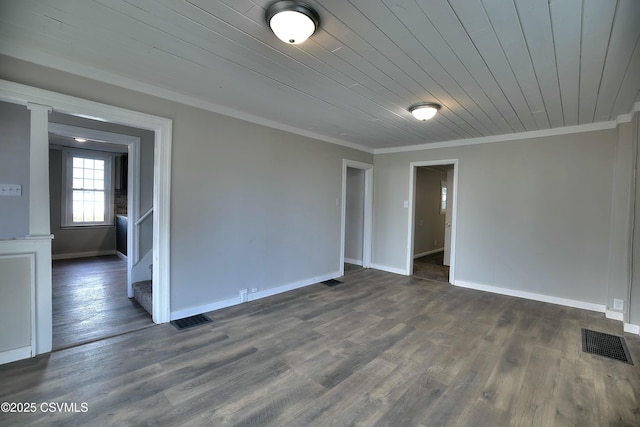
[142, 292]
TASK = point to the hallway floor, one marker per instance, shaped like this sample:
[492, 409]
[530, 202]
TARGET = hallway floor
[430, 267]
[90, 301]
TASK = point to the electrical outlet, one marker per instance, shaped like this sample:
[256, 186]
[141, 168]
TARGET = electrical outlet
[253, 290]
[435, 242]
[618, 304]
[244, 295]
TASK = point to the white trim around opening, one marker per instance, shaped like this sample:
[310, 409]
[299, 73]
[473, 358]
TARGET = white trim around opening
[162, 127]
[368, 210]
[454, 217]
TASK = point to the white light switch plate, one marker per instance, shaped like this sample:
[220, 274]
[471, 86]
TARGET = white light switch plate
[10, 190]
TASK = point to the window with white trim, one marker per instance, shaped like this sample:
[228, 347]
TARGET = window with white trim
[87, 196]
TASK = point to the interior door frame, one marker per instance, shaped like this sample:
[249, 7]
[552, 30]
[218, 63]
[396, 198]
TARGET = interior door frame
[368, 211]
[412, 212]
[162, 128]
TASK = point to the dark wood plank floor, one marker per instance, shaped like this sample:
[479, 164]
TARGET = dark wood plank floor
[377, 350]
[430, 267]
[90, 301]
[351, 268]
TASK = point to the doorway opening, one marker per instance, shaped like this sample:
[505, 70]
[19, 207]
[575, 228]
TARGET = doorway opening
[432, 220]
[41, 102]
[357, 207]
[94, 265]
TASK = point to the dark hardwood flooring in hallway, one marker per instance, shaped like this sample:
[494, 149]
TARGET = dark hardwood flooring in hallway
[90, 301]
[431, 267]
[377, 350]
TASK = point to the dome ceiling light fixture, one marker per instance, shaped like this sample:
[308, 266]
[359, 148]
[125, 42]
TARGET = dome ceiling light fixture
[292, 21]
[425, 111]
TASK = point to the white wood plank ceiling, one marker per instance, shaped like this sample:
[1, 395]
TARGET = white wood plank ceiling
[496, 66]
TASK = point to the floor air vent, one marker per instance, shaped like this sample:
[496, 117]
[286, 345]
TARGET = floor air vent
[190, 322]
[332, 282]
[605, 345]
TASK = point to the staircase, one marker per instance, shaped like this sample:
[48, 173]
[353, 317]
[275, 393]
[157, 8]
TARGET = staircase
[141, 278]
[143, 293]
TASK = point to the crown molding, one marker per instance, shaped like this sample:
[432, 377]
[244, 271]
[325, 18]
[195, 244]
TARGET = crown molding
[590, 127]
[565, 130]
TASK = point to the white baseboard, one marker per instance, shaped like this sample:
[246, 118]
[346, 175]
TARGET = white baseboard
[631, 328]
[15, 354]
[83, 254]
[615, 315]
[601, 308]
[353, 261]
[192, 311]
[433, 251]
[292, 286]
[389, 269]
[121, 255]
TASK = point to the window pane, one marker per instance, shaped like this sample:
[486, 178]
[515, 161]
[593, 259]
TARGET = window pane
[443, 197]
[88, 190]
[99, 212]
[88, 206]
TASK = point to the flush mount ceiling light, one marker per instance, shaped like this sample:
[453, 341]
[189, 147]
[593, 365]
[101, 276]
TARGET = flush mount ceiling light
[80, 139]
[425, 111]
[292, 21]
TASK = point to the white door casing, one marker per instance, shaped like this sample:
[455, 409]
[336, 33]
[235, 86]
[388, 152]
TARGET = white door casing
[447, 219]
[411, 214]
[162, 127]
[368, 210]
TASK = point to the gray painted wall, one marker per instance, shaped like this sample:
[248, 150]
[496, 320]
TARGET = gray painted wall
[14, 169]
[533, 215]
[251, 206]
[354, 215]
[429, 222]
